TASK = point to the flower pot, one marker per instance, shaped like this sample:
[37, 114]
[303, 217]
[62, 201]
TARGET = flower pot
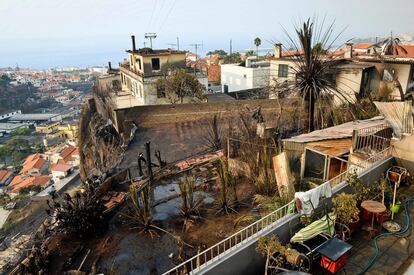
[395, 208]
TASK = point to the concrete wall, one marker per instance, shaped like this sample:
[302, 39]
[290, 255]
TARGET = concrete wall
[239, 78]
[245, 260]
[274, 70]
[404, 152]
[349, 81]
[149, 116]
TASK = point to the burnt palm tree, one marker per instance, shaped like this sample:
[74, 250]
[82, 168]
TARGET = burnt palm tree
[314, 68]
[391, 46]
[257, 42]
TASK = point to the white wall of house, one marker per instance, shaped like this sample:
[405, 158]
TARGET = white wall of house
[59, 174]
[239, 78]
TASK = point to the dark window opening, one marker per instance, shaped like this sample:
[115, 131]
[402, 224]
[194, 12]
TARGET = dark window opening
[283, 70]
[139, 64]
[155, 62]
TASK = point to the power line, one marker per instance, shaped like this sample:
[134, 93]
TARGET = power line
[152, 14]
[166, 17]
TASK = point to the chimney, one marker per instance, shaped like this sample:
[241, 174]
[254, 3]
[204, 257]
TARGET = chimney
[133, 43]
[348, 50]
[109, 66]
[278, 50]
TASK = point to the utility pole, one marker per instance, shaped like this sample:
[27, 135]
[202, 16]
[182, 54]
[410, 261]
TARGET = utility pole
[231, 47]
[150, 36]
[196, 51]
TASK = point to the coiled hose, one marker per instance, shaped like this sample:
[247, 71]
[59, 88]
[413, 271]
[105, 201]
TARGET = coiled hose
[401, 232]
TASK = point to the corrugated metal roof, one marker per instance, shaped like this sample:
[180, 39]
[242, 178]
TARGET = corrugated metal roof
[398, 114]
[45, 116]
[339, 131]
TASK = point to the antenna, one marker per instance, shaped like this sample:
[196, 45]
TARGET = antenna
[196, 50]
[150, 36]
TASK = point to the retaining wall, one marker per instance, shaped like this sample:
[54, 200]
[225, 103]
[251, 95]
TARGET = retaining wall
[151, 116]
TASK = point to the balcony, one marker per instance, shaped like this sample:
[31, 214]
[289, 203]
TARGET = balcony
[125, 68]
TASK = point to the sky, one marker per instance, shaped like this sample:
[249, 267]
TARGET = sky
[53, 33]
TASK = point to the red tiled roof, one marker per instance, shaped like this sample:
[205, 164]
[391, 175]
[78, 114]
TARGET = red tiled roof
[31, 181]
[5, 175]
[16, 180]
[34, 164]
[409, 49]
[214, 73]
[31, 158]
[362, 46]
[68, 153]
[60, 167]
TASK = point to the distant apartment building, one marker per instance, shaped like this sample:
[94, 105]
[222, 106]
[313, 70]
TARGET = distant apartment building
[249, 74]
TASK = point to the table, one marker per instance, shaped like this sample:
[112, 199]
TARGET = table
[334, 254]
[373, 207]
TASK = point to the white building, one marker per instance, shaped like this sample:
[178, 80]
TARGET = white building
[247, 75]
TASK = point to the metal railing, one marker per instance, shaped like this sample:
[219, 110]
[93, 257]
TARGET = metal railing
[219, 250]
[361, 166]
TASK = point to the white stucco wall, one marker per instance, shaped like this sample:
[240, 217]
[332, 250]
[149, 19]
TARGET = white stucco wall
[239, 78]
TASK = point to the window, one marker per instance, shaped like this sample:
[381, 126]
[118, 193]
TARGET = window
[283, 70]
[139, 63]
[155, 62]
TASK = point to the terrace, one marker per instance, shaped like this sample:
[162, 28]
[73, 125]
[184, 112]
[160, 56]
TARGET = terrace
[370, 155]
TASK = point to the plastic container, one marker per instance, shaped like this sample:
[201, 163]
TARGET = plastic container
[395, 208]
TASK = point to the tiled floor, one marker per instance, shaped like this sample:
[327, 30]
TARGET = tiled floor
[395, 253]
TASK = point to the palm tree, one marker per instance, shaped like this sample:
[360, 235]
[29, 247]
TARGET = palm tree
[391, 46]
[257, 42]
[314, 69]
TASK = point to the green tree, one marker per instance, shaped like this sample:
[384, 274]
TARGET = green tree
[4, 153]
[218, 52]
[4, 80]
[233, 58]
[21, 132]
[257, 42]
[249, 53]
[178, 85]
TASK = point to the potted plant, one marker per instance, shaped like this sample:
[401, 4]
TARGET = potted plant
[347, 210]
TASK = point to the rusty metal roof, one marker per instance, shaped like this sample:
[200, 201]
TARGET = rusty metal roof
[398, 114]
[339, 131]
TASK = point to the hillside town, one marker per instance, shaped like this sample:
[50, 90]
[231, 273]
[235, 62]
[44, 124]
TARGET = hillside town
[293, 155]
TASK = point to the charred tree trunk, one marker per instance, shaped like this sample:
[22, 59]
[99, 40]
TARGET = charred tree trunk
[148, 158]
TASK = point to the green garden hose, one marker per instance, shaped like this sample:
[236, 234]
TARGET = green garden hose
[401, 232]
